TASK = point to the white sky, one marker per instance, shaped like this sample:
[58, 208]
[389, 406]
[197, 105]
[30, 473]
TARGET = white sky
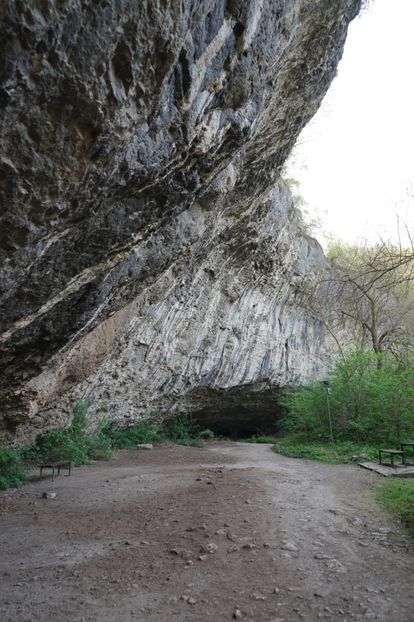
[355, 160]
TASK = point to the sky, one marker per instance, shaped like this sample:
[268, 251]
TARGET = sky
[355, 160]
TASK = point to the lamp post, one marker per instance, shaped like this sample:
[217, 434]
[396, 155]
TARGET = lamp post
[327, 386]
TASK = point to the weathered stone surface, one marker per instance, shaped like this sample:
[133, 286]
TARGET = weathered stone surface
[149, 254]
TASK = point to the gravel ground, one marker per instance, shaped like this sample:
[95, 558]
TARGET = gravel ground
[231, 531]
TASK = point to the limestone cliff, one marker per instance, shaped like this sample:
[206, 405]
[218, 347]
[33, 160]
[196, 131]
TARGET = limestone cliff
[149, 254]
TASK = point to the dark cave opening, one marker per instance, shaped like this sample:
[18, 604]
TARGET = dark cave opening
[238, 413]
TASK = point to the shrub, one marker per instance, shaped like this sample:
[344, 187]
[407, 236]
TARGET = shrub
[74, 443]
[371, 401]
[66, 444]
[147, 431]
[181, 429]
[12, 473]
[61, 445]
[99, 446]
[306, 412]
[206, 434]
[197, 442]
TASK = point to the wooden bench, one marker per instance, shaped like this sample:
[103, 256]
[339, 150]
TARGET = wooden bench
[55, 466]
[407, 444]
[392, 453]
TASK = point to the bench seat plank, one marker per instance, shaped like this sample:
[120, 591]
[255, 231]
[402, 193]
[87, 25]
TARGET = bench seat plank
[392, 453]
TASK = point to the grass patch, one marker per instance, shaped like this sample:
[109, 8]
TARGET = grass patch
[340, 453]
[398, 497]
[260, 439]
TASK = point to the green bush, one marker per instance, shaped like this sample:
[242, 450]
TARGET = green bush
[371, 402]
[306, 412]
[12, 473]
[181, 429]
[98, 446]
[206, 434]
[147, 431]
[74, 443]
[30, 455]
[197, 442]
[63, 445]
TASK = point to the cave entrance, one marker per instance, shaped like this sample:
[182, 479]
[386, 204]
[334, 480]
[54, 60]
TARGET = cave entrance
[237, 413]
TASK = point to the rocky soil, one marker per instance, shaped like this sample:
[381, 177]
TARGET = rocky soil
[227, 532]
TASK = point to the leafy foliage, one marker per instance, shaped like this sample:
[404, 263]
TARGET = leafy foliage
[206, 434]
[74, 443]
[147, 431]
[79, 446]
[181, 429]
[369, 402]
[12, 473]
[195, 442]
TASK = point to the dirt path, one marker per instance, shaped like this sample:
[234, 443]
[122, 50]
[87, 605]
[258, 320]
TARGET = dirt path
[225, 532]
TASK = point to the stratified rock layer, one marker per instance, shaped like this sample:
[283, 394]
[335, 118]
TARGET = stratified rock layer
[150, 257]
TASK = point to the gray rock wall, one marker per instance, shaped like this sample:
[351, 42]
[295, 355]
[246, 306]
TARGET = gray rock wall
[149, 255]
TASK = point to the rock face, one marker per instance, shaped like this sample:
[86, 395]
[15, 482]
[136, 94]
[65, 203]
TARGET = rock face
[149, 253]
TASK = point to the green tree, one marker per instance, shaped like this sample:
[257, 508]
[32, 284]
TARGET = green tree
[370, 403]
[368, 294]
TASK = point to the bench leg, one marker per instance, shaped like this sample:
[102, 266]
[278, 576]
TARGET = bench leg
[53, 474]
[380, 457]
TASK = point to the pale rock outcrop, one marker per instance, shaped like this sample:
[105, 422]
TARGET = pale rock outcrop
[150, 256]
